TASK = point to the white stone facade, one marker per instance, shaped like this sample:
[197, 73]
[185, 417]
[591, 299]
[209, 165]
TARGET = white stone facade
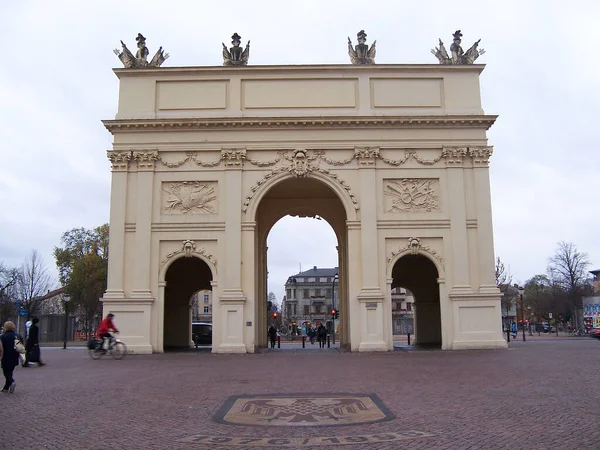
[206, 160]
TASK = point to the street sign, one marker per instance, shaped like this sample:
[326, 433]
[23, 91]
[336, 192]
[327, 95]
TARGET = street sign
[23, 312]
[549, 315]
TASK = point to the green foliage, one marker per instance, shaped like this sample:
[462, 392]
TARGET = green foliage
[83, 267]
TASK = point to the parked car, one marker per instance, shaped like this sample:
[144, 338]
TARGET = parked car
[595, 333]
[202, 333]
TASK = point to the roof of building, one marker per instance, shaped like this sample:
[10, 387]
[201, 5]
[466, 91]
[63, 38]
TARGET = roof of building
[595, 272]
[53, 293]
[317, 272]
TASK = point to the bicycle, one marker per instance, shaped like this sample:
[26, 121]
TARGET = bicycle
[116, 348]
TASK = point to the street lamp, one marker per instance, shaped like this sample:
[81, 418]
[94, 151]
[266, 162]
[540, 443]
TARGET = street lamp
[333, 308]
[521, 292]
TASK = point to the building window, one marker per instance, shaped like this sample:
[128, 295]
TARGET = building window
[300, 280]
[306, 310]
[311, 280]
[328, 293]
[323, 280]
[318, 308]
[294, 309]
[317, 292]
[206, 310]
[408, 306]
[205, 298]
[305, 293]
[289, 293]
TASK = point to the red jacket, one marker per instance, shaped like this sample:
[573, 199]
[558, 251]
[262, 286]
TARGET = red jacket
[106, 326]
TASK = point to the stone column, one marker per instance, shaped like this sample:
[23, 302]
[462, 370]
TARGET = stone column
[458, 218]
[370, 296]
[118, 206]
[143, 222]
[485, 239]
[446, 315]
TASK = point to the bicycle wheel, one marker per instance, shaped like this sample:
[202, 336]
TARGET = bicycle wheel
[118, 350]
[96, 353]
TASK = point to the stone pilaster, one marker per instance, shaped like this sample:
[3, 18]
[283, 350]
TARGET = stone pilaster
[118, 206]
[485, 240]
[454, 157]
[145, 160]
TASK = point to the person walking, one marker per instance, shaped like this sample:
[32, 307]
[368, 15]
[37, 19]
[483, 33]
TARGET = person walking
[9, 356]
[311, 334]
[32, 346]
[321, 335]
[272, 335]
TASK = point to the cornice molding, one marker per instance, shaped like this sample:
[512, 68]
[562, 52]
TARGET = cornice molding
[192, 124]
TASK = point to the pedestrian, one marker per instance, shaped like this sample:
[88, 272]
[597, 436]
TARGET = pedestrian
[10, 357]
[321, 335]
[311, 334]
[272, 335]
[27, 326]
[32, 346]
[514, 329]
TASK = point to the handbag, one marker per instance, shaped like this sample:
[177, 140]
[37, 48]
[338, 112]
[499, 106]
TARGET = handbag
[19, 347]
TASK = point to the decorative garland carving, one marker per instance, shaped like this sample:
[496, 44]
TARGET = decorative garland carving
[281, 154]
[189, 197]
[415, 247]
[321, 154]
[119, 160]
[412, 153]
[188, 247]
[175, 164]
[412, 195]
[301, 164]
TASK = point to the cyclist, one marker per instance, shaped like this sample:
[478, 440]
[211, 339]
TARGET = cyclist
[106, 326]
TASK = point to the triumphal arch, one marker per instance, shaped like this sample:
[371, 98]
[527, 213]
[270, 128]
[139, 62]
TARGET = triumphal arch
[205, 160]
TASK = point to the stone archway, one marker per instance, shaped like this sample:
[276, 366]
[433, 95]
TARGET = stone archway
[419, 274]
[302, 197]
[184, 277]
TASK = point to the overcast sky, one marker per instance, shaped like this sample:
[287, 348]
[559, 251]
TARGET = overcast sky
[541, 78]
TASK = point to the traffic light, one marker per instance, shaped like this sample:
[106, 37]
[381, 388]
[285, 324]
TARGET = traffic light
[337, 313]
[274, 315]
[333, 313]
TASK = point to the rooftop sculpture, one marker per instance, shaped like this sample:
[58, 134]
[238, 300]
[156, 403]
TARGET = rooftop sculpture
[235, 56]
[361, 54]
[140, 60]
[458, 56]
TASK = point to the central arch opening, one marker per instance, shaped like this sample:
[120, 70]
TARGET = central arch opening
[312, 296]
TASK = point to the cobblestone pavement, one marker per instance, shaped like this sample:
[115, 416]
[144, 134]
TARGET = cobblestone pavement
[539, 394]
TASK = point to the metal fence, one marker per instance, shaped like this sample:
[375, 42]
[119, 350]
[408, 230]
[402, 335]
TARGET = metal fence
[52, 327]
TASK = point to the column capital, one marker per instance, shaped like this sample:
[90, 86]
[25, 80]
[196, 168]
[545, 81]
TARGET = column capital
[119, 160]
[481, 155]
[146, 159]
[454, 156]
[233, 158]
[366, 156]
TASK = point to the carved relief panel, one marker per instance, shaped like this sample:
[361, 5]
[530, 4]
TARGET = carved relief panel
[405, 195]
[189, 197]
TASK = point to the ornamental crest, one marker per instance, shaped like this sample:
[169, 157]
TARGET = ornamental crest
[412, 195]
[189, 197]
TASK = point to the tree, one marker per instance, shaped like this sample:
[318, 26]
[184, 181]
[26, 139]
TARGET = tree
[537, 294]
[83, 267]
[8, 281]
[568, 267]
[271, 301]
[503, 280]
[33, 283]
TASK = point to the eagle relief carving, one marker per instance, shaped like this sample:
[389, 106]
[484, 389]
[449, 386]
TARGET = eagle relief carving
[412, 195]
[189, 197]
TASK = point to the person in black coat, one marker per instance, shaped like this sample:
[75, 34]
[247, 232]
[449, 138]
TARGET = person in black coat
[272, 335]
[32, 346]
[10, 357]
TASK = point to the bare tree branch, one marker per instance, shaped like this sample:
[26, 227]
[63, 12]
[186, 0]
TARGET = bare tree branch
[34, 282]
